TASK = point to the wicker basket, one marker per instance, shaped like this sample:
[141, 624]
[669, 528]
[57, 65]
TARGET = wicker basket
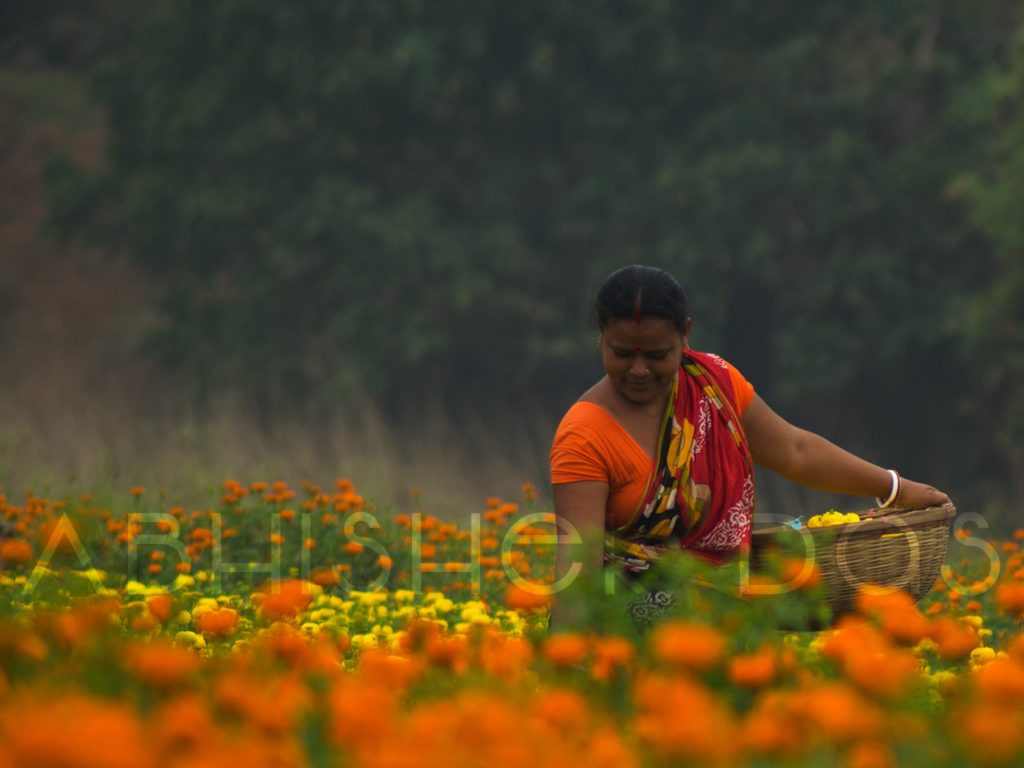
[897, 548]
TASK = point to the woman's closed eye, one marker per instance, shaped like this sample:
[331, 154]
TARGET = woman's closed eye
[625, 354]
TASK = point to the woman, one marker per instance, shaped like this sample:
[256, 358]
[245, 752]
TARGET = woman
[659, 452]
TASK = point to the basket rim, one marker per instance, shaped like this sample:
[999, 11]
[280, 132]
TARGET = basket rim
[881, 520]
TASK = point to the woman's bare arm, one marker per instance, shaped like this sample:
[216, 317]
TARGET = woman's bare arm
[580, 508]
[813, 461]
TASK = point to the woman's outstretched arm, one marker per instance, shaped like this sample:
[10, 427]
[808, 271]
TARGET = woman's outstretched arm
[811, 460]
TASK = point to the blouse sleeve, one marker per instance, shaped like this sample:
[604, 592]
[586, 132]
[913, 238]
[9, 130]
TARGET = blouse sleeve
[574, 456]
[743, 389]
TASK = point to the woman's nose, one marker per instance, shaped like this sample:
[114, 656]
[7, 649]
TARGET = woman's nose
[638, 367]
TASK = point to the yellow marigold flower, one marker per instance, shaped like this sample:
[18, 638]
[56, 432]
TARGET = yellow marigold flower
[192, 639]
[982, 655]
[364, 641]
[183, 581]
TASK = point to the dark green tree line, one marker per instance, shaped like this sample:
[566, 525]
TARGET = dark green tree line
[414, 199]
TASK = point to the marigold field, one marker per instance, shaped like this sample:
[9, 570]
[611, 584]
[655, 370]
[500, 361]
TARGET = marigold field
[293, 627]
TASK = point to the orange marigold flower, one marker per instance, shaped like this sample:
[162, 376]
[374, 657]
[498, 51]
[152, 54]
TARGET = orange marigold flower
[161, 664]
[160, 606]
[1001, 681]
[144, 622]
[886, 673]
[155, 568]
[801, 574]
[492, 501]
[136, 490]
[753, 670]
[448, 652]
[218, 623]
[955, 639]
[285, 599]
[309, 543]
[1010, 599]
[529, 491]
[841, 714]
[183, 567]
[870, 754]
[385, 562]
[91, 732]
[611, 653]
[17, 551]
[908, 626]
[352, 547]
[695, 646]
[287, 514]
[565, 649]
[535, 599]
[992, 734]
[276, 538]
[503, 656]
[564, 709]
[1015, 647]
[454, 567]
[326, 577]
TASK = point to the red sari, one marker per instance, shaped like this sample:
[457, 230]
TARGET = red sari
[701, 494]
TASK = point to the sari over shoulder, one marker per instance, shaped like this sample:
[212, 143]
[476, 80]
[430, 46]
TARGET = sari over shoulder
[701, 495]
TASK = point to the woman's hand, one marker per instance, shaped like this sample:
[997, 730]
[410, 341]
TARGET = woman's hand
[914, 495]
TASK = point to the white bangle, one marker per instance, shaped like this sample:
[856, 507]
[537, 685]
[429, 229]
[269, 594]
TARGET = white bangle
[893, 493]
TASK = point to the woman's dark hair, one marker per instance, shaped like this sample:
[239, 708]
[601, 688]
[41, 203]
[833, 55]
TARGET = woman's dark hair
[637, 290]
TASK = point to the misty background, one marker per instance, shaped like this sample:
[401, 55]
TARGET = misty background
[330, 237]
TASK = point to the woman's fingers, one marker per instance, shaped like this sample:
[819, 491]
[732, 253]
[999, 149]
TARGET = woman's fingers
[914, 495]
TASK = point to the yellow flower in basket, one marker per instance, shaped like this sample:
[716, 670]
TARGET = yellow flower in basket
[832, 517]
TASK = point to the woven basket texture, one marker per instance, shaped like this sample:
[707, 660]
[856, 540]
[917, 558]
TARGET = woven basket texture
[895, 548]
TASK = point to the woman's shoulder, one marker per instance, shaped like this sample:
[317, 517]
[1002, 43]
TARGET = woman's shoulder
[743, 390]
[584, 415]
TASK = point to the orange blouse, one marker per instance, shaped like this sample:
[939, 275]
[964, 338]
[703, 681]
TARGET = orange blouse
[590, 444]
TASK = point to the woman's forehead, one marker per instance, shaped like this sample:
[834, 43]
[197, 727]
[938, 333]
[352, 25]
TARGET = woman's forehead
[645, 333]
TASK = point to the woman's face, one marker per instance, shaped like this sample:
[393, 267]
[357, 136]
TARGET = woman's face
[641, 356]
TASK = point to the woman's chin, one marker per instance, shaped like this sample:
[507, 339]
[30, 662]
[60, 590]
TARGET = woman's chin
[638, 395]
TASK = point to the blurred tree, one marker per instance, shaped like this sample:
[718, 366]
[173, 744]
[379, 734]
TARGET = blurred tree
[993, 316]
[403, 198]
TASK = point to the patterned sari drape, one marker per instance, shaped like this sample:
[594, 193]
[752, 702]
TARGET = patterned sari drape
[701, 494]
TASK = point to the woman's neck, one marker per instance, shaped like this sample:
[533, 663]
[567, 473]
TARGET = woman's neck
[655, 408]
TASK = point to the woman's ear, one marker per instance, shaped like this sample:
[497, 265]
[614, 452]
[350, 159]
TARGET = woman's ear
[686, 332]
